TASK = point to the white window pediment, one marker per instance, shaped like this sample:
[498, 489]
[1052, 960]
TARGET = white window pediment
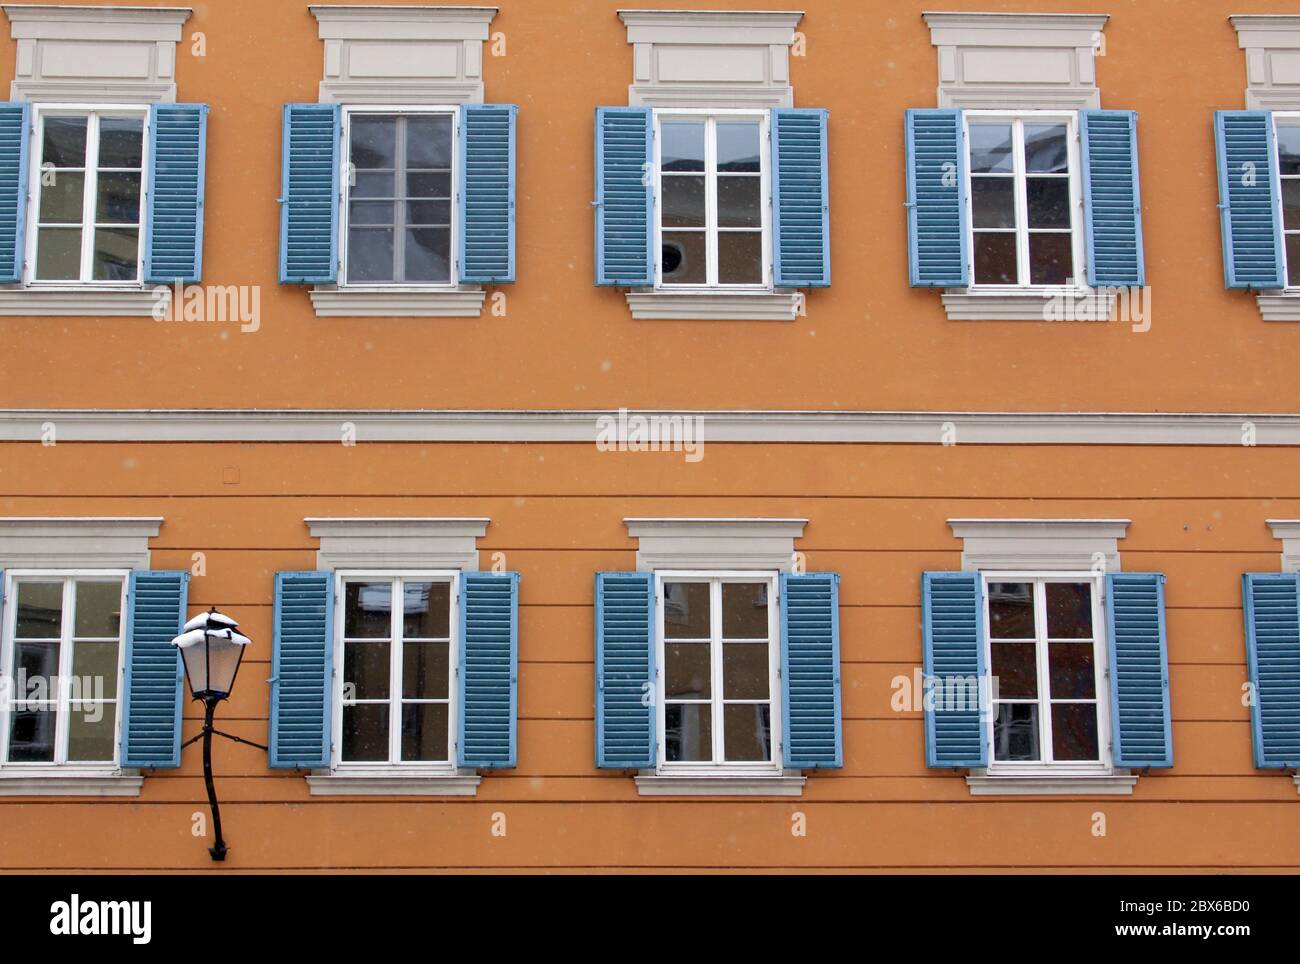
[77, 542]
[1017, 60]
[1085, 545]
[396, 543]
[710, 58]
[1272, 46]
[403, 55]
[95, 54]
[715, 543]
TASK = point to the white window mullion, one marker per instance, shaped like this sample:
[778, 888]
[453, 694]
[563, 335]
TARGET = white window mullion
[1044, 687]
[711, 200]
[715, 659]
[58, 690]
[396, 596]
[7, 632]
[91, 188]
[1021, 200]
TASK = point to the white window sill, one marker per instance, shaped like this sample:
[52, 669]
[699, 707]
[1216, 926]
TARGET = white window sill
[789, 784]
[392, 782]
[135, 302]
[69, 783]
[1296, 779]
[1029, 304]
[1119, 783]
[397, 301]
[713, 305]
[1279, 305]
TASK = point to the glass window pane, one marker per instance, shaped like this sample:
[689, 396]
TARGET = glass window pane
[738, 148]
[120, 141]
[372, 212]
[428, 184]
[746, 732]
[373, 141]
[426, 610]
[739, 202]
[31, 734]
[65, 141]
[1015, 669]
[688, 732]
[40, 610]
[99, 609]
[1051, 259]
[1291, 203]
[1071, 671]
[995, 258]
[372, 185]
[365, 733]
[370, 254]
[686, 671]
[117, 254]
[1015, 732]
[424, 731]
[58, 254]
[1074, 731]
[91, 728]
[744, 610]
[990, 149]
[434, 213]
[61, 197]
[681, 145]
[1045, 149]
[1293, 259]
[428, 141]
[1288, 148]
[683, 202]
[1011, 610]
[740, 258]
[425, 670]
[744, 671]
[366, 670]
[427, 255]
[993, 202]
[1069, 610]
[683, 258]
[1048, 200]
[39, 663]
[686, 610]
[95, 667]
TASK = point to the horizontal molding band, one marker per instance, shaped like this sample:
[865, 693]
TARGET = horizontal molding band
[592, 425]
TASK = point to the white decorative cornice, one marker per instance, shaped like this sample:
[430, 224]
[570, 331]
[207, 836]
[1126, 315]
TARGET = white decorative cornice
[76, 542]
[1049, 29]
[1287, 531]
[1272, 46]
[421, 22]
[397, 543]
[715, 543]
[1040, 544]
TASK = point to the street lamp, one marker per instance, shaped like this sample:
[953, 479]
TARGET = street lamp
[212, 647]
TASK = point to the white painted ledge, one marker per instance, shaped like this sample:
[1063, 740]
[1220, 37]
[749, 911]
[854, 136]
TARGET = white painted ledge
[720, 786]
[81, 301]
[1042, 544]
[334, 302]
[709, 306]
[397, 543]
[1296, 779]
[715, 543]
[338, 784]
[76, 542]
[983, 785]
[1043, 305]
[115, 783]
[1279, 307]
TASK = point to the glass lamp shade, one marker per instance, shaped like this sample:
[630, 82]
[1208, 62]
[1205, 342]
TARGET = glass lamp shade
[212, 650]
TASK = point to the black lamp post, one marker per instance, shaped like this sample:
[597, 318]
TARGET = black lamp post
[212, 647]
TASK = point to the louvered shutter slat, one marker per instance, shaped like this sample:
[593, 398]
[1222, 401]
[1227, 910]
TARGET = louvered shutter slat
[810, 670]
[1139, 670]
[487, 193]
[952, 619]
[800, 199]
[301, 663]
[14, 140]
[1112, 205]
[1271, 605]
[173, 243]
[309, 194]
[624, 201]
[936, 199]
[488, 681]
[625, 670]
[1246, 151]
[151, 699]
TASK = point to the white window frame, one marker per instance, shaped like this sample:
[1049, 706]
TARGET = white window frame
[69, 578]
[1018, 118]
[1283, 118]
[711, 229]
[346, 191]
[1047, 767]
[89, 194]
[772, 767]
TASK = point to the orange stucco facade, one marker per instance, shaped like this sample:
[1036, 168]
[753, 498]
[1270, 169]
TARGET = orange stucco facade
[877, 511]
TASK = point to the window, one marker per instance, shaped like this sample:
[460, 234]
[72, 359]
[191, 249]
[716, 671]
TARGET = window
[1047, 658]
[397, 660]
[398, 211]
[718, 679]
[1024, 197]
[713, 199]
[62, 653]
[88, 182]
[1288, 168]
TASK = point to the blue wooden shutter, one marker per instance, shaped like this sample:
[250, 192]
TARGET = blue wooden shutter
[173, 223]
[302, 658]
[1139, 670]
[488, 675]
[1112, 203]
[14, 140]
[938, 236]
[624, 196]
[1271, 603]
[952, 620]
[309, 194]
[486, 213]
[1248, 199]
[810, 670]
[625, 670]
[151, 694]
[801, 240]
